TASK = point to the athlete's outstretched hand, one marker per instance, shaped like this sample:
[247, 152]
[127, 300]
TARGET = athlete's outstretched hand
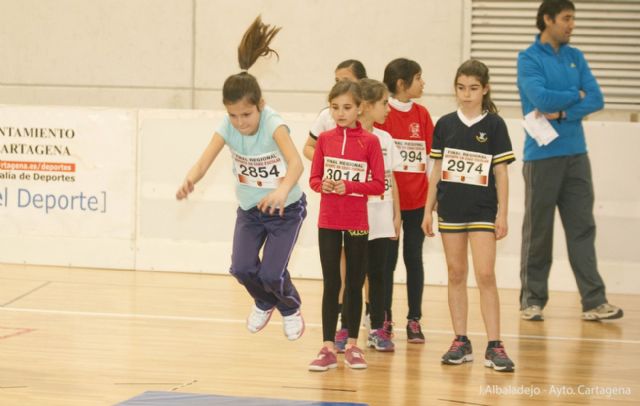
[273, 201]
[185, 189]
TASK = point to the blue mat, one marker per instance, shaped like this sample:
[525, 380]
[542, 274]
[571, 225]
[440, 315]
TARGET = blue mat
[154, 398]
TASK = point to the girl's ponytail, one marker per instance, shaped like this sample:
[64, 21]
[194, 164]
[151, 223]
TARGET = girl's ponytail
[254, 44]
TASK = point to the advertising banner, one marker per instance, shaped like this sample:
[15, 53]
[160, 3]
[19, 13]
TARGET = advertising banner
[67, 174]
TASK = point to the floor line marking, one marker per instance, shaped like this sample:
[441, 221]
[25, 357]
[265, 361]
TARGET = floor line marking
[146, 383]
[318, 388]
[16, 331]
[25, 294]
[175, 388]
[315, 325]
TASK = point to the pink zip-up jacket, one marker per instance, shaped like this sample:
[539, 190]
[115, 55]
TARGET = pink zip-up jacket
[343, 154]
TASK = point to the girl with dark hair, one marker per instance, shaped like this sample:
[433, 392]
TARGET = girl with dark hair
[383, 210]
[350, 69]
[410, 125]
[469, 182]
[347, 167]
[272, 208]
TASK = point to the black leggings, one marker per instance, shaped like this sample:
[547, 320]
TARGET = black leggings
[355, 246]
[378, 253]
[413, 238]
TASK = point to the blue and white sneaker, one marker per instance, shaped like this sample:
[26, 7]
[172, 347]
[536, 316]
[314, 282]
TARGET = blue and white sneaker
[380, 340]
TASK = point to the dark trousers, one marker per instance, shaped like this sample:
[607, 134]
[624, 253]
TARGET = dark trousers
[413, 239]
[563, 182]
[267, 280]
[355, 245]
[378, 273]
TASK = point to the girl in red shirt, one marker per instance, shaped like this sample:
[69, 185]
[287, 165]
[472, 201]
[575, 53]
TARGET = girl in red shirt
[411, 127]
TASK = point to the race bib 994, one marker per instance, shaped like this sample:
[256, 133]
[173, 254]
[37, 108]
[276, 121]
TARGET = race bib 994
[414, 156]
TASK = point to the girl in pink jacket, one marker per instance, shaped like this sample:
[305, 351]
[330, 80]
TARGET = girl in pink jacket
[347, 167]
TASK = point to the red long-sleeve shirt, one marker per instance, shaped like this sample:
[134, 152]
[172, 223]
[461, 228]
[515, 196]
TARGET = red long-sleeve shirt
[354, 156]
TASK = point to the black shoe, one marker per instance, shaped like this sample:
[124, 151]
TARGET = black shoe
[414, 332]
[497, 358]
[459, 352]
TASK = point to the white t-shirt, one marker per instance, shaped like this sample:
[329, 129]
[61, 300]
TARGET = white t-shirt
[324, 122]
[380, 207]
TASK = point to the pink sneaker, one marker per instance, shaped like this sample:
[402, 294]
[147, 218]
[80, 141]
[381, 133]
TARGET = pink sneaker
[354, 358]
[326, 359]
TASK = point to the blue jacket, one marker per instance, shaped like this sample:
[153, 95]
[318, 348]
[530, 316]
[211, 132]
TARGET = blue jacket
[550, 81]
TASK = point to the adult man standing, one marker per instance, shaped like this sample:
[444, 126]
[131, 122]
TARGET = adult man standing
[554, 79]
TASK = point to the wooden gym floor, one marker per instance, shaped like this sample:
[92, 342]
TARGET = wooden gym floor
[99, 337]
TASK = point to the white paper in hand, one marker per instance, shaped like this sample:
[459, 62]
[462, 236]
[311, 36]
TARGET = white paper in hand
[539, 128]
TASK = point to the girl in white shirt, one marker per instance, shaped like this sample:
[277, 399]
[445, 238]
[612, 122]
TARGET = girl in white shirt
[383, 212]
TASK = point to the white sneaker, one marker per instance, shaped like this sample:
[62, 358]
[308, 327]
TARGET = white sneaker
[532, 313]
[258, 319]
[293, 325]
[605, 311]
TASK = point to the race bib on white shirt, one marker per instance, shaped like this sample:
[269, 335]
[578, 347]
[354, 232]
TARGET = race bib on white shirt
[345, 169]
[414, 156]
[387, 189]
[467, 167]
[261, 171]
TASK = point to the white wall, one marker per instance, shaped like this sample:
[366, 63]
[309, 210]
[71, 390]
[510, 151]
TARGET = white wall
[177, 53]
[103, 53]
